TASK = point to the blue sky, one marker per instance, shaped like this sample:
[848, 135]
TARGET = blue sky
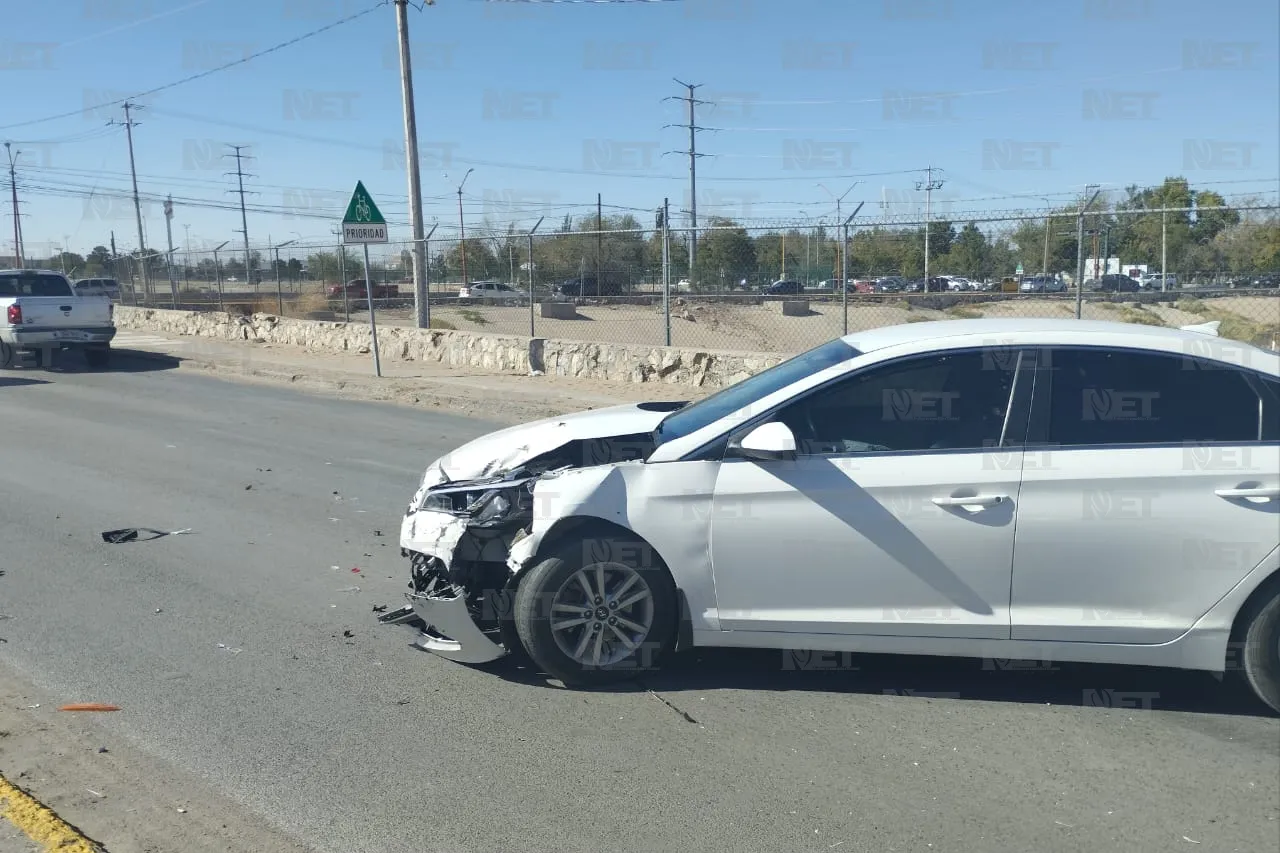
[552, 103]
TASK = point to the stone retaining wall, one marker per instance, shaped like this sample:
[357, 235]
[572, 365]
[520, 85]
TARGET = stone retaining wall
[499, 353]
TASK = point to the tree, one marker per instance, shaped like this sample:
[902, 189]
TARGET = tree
[968, 255]
[481, 262]
[726, 255]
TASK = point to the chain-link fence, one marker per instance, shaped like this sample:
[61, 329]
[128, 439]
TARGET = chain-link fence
[779, 288]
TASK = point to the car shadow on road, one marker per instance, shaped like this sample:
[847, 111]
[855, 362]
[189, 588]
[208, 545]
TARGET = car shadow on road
[18, 381]
[122, 361]
[941, 679]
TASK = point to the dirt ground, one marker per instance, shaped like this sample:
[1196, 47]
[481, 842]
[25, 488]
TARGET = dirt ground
[762, 328]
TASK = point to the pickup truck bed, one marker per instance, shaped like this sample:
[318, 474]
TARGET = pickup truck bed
[40, 312]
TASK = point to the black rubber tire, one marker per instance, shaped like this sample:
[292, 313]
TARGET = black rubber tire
[538, 588]
[1260, 657]
[7, 355]
[97, 356]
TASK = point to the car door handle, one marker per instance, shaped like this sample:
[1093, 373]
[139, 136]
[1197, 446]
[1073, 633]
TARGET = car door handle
[1263, 492]
[979, 501]
[64, 307]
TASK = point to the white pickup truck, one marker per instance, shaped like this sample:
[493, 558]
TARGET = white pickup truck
[40, 313]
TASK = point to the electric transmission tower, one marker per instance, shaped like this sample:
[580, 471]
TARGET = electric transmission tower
[928, 185]
[693, 155]
[244, 221]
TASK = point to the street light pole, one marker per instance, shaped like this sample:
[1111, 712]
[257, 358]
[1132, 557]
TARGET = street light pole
[839, 262]
[1080, 249]
[530, 235]
[844, 265]
[462, 229]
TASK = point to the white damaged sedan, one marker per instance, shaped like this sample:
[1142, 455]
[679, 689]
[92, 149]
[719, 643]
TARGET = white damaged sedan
[1054, 490]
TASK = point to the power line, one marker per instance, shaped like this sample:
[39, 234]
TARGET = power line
[201, 74]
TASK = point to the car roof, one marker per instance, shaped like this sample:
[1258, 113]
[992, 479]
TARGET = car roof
[1033, 331]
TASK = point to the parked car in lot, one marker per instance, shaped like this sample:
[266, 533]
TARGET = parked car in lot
[1042, 284]
[586, 287]
[40, 311]
[931, 488]
[783, 287]
[493, 290]
[890, 284]
[1116, 283]
[107, 287]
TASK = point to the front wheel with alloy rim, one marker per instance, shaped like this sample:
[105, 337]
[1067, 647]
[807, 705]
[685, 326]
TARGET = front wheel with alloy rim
[597, 610]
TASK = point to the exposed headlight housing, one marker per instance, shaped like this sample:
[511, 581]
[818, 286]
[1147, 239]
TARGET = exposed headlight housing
[487, 506]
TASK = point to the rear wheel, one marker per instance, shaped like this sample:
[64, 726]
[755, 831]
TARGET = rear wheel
[599, 610]
[6, 356]
[97, 356]
[1260, 659]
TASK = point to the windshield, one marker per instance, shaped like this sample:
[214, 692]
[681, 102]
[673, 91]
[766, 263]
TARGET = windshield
[694, 417]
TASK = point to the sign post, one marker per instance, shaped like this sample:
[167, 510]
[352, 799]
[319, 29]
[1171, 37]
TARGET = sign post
[364, 224]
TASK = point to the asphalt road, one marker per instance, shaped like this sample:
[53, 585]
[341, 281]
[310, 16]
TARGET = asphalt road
[226, 650]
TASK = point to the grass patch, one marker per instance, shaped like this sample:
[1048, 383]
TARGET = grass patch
[964, 312]
[904, 304]
[471, 315]
[1232, 325]
[916, 318]
[1140, 316]
[1191, 305]
[437, 323]
[1109, 306]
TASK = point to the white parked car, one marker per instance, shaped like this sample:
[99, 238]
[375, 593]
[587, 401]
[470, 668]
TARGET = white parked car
[493, 290]
[1039, 489]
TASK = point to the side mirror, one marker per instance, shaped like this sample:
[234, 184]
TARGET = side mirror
[767, 441]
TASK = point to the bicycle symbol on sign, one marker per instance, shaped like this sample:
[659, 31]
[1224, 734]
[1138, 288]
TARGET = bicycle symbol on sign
[363, 213]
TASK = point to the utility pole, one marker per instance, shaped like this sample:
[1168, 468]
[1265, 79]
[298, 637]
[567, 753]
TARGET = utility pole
[666, 266]
[530, 236]
[13, 183]
[462, 229]
[693, 169]
[839, 263]
[168, 259]
[928, 185]
[137, 205]
[599, 241]
[421, 297]
[1164, 248]
[844, 265]
[1080, 249]
[244, 220]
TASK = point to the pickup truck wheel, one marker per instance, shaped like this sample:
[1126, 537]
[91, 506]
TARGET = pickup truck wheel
[97, 356]
[6, 356]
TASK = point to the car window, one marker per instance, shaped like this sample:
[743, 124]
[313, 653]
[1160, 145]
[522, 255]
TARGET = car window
[34, 284]
[951, 401]
[1101, 397]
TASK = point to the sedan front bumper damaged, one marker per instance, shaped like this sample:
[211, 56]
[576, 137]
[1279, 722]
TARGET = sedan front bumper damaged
[447, 628]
